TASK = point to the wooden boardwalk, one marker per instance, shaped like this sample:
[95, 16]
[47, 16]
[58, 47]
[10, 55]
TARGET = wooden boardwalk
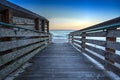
[60, 61]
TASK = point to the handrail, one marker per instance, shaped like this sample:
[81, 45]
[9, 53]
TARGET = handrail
[108, 30]
[114, 25]
[20, 9]
[13, 26]
[101, 28]
[17, 46]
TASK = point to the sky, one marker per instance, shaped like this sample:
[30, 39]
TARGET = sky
[73, 14]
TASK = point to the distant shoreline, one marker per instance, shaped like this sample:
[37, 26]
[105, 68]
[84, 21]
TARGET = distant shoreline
[62, 30]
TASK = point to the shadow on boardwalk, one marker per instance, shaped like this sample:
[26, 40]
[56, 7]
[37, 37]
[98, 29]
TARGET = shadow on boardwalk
[60, 61]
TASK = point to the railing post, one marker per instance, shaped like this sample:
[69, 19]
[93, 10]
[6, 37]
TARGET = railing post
[47, 26]
[37, 23]
[7, 16]
[69, 39]
[83, 41]
[43, 25]
[72, 38]
[109, 51]
[50, 38]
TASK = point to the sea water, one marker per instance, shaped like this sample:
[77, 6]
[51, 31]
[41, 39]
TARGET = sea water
[60, 36]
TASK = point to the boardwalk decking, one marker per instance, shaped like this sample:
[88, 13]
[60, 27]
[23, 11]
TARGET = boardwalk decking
[60, 61]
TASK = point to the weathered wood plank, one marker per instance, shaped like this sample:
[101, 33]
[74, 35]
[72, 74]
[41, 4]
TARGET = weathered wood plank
[113, 56]
[77, 43]
[97, 50]
[6, 32]
[113, 45]
[18, 43]
[103, 62]
[10, 68]
[77, 34]
[78, 47]
[10, 56]
[29, 33]
[96, 34]
[97, 42]
[113, 33]
[95, 57]
[65, 63]
[79, 39]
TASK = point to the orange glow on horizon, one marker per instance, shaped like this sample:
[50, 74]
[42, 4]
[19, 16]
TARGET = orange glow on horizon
[69, 24]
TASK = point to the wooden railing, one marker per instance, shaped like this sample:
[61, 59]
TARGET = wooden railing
[101, 42]
[18, 45]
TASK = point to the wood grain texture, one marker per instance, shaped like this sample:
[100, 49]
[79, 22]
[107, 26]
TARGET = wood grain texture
[62, 63]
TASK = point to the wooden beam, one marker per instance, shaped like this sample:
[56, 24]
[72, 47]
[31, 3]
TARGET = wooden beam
[37, 23]
[72, 39]
[96, 42]
[114, 33]
[7, 16]
[113, 39]
[96, 34]
[78, 43]
[47, 26]
[78, 39]
[96, 50]
[43, 26]
[83, 41]
[113, 67]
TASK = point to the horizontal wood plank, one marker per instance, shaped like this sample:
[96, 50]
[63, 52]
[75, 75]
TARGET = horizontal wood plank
[77, 43]
[96, 34]
[10, 68]
[79, 39]
[97, 42]
[18, 43]
[113, 33]
[95, 57]
[113, 45]
[29, 33]
[6, 32]
[78, 47]
[10, 56]
[97, 50]
[113, 56]
[111, 67]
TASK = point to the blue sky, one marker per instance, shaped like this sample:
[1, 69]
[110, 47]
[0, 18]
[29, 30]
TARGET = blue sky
[73, 14]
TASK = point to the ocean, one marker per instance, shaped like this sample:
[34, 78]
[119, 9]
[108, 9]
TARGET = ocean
[60, 36]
